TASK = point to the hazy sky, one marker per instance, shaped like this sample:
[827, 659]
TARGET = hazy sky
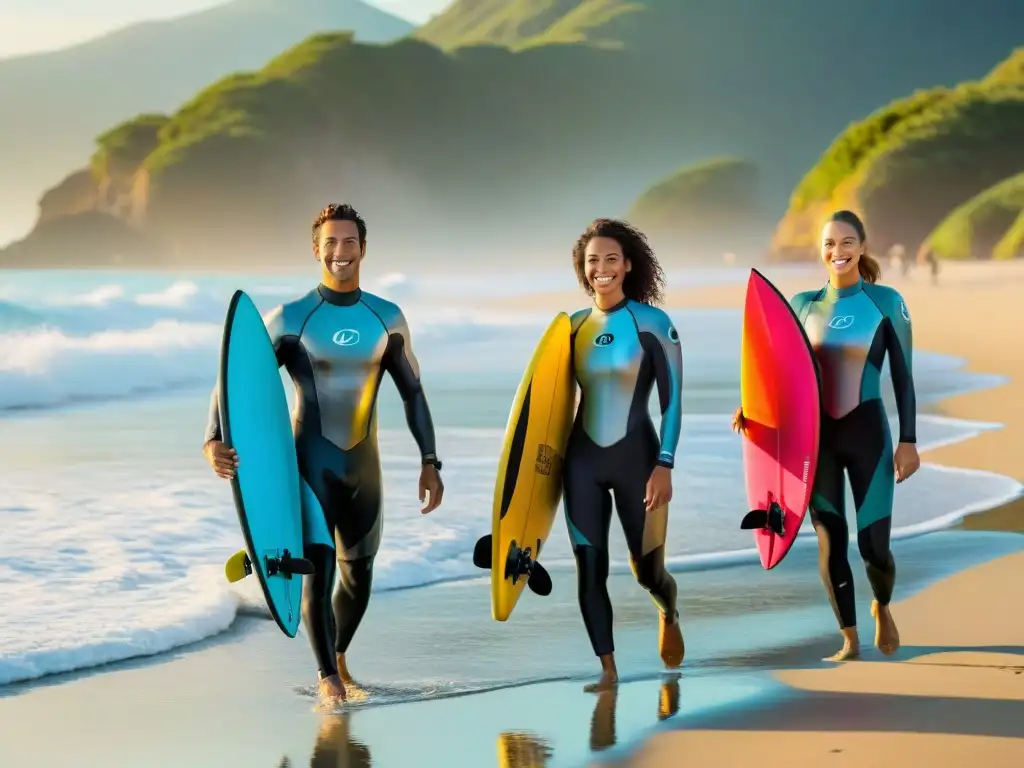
[40, 25]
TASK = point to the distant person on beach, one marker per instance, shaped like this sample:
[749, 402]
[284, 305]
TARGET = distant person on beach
[336, 342]
[621, 346]
[853, 323]
[926, 258]
[898, 260]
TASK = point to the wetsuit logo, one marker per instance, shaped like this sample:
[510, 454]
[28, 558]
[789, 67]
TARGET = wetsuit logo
[604, 340]
[904, 311]
[673, 334]
[841, 322]
[346, 338]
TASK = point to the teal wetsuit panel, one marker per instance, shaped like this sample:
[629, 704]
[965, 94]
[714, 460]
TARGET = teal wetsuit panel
[618, 356]
[853, 330]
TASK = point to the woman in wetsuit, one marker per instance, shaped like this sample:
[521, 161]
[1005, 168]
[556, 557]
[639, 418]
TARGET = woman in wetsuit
[853, 323]
[621, 346]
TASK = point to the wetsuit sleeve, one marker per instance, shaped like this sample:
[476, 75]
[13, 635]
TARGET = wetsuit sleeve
[899, 342]
[798, 303]
[401, 363]
[276, 328]
[662, 344]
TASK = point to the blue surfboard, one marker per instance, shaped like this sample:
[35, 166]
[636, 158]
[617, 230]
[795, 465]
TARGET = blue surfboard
[255, 422]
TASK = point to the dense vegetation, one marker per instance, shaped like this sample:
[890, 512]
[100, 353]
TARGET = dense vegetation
[520, 24]
[53, 105]
[706, 210]
[909, 165]
[975, 229]
[458, 145]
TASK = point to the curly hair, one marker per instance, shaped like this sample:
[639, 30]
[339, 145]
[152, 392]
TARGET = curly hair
[339, 212]
[645, 281]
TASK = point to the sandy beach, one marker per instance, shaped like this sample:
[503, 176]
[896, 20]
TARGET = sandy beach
[954, 694]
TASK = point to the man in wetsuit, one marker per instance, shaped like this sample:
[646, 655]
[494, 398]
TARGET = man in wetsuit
[621, 347]
[336, 342]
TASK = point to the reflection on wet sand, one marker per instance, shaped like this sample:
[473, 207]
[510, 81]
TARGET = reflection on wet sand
[524, 750]
[335, 747]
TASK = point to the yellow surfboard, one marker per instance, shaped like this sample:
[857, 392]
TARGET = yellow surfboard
[528, 487]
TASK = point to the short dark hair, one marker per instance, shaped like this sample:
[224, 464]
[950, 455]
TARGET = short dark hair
[340, 212]
[645, 281]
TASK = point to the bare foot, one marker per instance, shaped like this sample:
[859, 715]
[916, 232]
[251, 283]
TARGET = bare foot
[331, 690]
[670, 642]
[354, 691]
[850, 649]
[609, 680]
[887, 637]
[609, 675]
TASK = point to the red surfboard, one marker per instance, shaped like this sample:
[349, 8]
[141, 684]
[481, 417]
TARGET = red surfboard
[780, 391]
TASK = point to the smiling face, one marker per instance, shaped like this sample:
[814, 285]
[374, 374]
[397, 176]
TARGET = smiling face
[605, 268]
[841, 250]
[339, 250]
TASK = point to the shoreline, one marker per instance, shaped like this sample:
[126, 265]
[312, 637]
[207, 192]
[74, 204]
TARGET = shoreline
[853, 713]
[988, 513]
[244, 695]
[951, 677]
[982, 292]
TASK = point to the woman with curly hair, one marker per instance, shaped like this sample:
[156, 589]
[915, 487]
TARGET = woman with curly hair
[621, 346]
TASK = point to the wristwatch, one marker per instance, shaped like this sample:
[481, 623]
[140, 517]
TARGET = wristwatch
[433, 461]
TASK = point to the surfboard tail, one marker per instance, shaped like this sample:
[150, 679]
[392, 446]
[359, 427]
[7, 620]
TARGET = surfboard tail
[519, 564]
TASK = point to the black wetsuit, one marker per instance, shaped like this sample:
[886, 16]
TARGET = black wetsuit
[613, 448]
[852, 329]
[336, 347]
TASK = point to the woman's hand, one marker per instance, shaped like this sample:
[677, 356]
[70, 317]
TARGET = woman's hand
[905, 461]
[659, 488]
[738, 424]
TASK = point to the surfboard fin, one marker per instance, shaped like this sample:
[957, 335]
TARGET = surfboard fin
[289, 566]
[238, 566]
[520, 563]
[482, 553]
[540, 580]
[772, 518]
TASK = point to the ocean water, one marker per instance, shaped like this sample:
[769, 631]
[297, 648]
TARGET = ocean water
[115, 530]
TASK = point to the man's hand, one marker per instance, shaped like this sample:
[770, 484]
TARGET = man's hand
[430, 483]
[222, 459]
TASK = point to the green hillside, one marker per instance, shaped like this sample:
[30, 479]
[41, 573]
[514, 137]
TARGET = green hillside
[452, 145]
[520, 24]
[54, 104]
[975, 229]
[909, 165]
[1012, 244]
[705, 210]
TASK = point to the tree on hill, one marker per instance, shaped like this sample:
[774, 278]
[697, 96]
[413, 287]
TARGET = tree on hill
[709, 209]
[907, 166]
[975, 229]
